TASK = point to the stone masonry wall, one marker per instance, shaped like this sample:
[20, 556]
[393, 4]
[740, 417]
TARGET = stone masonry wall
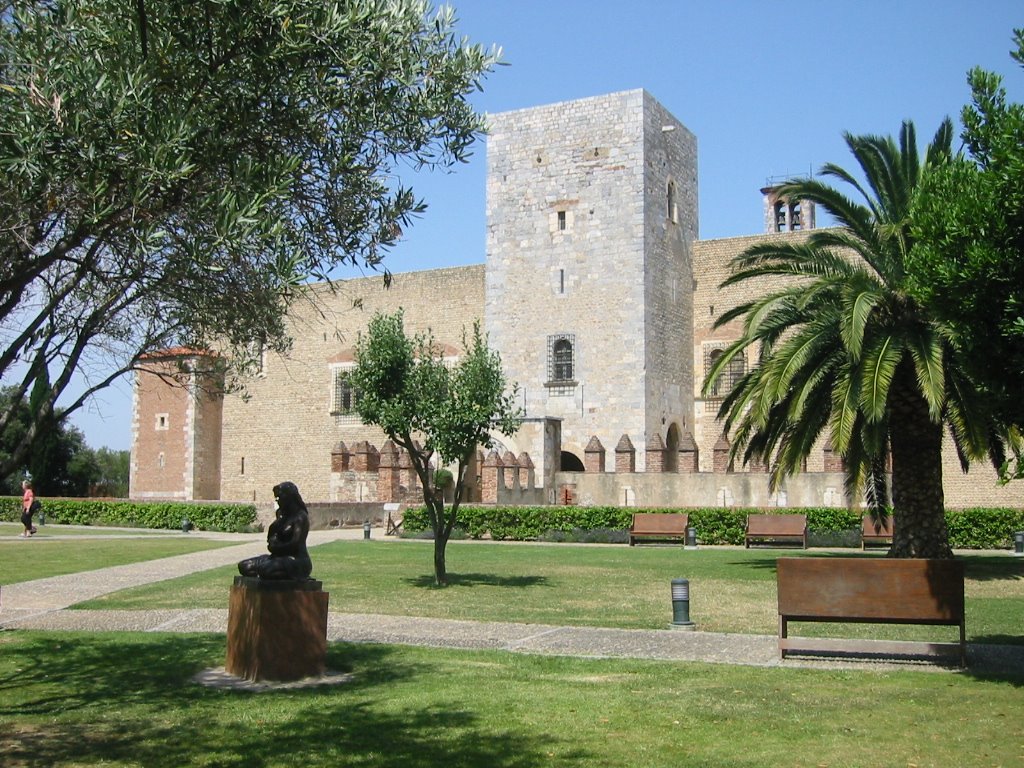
[284, 429]
[568, 235]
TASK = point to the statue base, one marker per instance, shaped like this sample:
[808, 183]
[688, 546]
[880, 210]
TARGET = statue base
[277, 630]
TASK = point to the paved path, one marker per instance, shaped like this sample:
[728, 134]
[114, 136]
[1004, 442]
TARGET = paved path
[42, 604]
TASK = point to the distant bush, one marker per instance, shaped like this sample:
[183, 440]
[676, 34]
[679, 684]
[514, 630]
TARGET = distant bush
[207, 516]
[835, 526]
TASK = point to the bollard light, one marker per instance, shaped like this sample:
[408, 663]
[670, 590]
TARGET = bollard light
[691, 537]
[681, 604]
[1018, 543]
[42, 517]
[186, 525]
[366, 530]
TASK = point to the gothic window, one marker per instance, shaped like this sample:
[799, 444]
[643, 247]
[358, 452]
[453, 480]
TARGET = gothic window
[562, 363]
[729, 377]
[344, 396]
[780, 216]
[794, 217]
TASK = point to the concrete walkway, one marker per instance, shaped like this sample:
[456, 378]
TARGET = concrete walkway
[43, 604]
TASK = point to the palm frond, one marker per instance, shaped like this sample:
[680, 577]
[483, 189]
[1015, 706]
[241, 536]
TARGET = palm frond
[878, 367]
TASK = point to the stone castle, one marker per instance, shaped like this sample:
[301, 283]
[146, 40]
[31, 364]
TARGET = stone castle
[601, 300]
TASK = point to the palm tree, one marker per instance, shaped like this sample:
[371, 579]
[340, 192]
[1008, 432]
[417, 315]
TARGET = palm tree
[842, 346]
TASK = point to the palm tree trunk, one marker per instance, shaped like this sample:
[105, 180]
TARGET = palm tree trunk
[919, 527]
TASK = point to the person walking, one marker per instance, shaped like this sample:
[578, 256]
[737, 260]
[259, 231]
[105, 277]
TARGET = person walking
[28, 508]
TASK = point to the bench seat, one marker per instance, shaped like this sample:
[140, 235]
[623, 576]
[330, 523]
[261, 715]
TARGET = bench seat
[871, 590]
[873, 534]
[658, 526]
[774, 530]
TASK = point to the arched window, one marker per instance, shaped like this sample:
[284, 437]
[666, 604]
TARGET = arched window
[561, 355]
[344, 396]
[729, 377]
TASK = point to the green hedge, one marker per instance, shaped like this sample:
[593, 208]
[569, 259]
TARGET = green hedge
[207, 516]
[968, 528]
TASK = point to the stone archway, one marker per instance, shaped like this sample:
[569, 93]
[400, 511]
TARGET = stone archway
[570, 462]
[672, 449]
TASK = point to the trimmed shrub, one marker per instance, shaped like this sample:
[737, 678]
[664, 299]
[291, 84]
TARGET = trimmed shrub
[208, 516]
[827, 526]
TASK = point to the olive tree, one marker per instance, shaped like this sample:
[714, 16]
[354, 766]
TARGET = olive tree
[430, 408]
[174, 173]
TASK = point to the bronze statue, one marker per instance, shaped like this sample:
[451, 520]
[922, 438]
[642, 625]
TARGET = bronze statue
[286, 540]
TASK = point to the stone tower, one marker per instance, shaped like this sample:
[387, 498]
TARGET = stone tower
[591, 220]
[176, 426]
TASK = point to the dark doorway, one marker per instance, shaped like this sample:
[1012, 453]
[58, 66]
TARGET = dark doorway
[571, 462]
[672, 449]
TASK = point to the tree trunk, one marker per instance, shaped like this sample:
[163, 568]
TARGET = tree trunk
[919, 526]
[440, 571]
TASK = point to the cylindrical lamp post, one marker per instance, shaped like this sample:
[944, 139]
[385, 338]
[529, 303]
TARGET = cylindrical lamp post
[366, 531]
[1018, 543]
[691, 537]
[681, 604]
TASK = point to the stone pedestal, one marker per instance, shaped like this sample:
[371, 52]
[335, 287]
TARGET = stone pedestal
[277, 630]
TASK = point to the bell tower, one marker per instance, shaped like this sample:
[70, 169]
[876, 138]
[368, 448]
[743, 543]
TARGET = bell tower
[784, 214]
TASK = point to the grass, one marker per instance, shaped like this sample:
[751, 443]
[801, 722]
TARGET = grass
[127, 699]
[731, 590]
[70, 699]
[55, 529]
[39, 558]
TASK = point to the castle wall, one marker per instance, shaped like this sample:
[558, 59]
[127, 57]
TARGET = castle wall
[282, 427]
[670, 231]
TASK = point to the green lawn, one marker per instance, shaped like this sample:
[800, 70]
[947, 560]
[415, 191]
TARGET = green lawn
[74, 699]
[127, 699]
[731, 590]
[44, 556]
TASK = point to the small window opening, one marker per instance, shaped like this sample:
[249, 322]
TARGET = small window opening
[561, 221]
[671, 202]
[561, 281]
[242, 472]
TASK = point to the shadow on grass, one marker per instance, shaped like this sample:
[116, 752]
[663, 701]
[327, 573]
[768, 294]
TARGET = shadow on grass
[480, 580]
[80, 699]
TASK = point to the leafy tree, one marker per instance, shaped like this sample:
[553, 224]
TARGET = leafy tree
[844, 347]
[408, 390]
[60, 463]
[174, 172]
[969, 223]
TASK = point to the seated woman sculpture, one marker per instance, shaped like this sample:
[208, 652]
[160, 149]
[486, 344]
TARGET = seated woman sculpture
[286, 540]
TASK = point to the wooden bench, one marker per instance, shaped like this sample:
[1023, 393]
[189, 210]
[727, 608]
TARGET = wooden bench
[880, 591]
[776, 529]
[658, 526]
[875, 534]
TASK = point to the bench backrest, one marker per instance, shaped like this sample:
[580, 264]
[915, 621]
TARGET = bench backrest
[868, 526]
[660, 522]
[778, 525]
[871, 588]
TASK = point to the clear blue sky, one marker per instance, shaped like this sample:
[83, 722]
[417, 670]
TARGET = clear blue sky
[768, 88]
